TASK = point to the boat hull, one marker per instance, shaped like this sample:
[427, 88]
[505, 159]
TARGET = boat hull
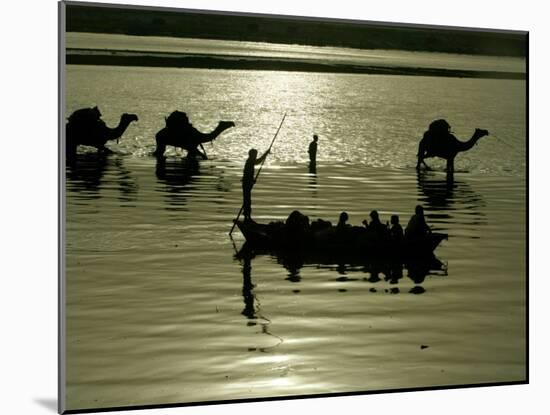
[352, 244]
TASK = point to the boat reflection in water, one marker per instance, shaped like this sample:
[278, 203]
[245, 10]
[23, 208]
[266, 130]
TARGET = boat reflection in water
[389, 271]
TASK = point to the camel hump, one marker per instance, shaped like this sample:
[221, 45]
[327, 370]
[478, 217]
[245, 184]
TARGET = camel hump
[85, 116]
[177, 120]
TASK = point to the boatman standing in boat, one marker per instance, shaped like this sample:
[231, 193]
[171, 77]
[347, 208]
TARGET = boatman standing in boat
[248, 180]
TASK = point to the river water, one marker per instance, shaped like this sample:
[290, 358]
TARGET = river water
[159, 310]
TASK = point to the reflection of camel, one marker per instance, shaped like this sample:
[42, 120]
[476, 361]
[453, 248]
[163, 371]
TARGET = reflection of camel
[85, 173]
[180, 133]
[439, 142]
[444, 194]
[177, 174]
[85, 127]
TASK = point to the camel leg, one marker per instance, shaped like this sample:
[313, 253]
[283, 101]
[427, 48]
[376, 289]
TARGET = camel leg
[194, 152]
[159, 151]
[161, 143]
[422, 161]
[71, 151]
[203, 155]
[450, 165]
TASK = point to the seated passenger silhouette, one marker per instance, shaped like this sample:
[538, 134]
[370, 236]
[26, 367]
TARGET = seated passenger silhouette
[417, 227]
[297, 223]
[342, 221]
[396, 231]
[375, 227]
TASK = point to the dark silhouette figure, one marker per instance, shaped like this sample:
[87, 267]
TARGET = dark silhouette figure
[376, 227]
[179, 132]
[85, 127]
[417, 228]
[342, 221]
[248, 180]
[438, 141]
[396, 231]
[312, 151]
[312, 170]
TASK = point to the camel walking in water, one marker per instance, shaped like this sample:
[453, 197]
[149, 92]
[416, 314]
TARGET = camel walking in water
[85, 127]
[179, 132]
[439, 142]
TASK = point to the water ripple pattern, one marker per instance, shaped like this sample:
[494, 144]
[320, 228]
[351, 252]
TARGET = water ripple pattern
[159, 310]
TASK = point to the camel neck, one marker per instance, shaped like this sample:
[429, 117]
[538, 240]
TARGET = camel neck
[467, 145]
[120, 128]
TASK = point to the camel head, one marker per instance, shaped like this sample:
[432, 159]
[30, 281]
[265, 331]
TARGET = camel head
[480, 133]
[224, 125]
[128, 118]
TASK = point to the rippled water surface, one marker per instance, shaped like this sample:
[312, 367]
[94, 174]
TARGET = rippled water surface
[159, 310]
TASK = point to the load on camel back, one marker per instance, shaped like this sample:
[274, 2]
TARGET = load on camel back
[180, 133]
[85, 127]
[438, 141]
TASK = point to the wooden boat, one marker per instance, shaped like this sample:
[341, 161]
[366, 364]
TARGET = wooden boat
[350, 243]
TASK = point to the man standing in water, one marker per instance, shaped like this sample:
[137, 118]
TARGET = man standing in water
[248, 180]
[312, 150]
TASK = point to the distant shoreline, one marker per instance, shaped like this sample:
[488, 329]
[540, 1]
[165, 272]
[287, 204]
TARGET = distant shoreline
[248, 27]
[173, 60]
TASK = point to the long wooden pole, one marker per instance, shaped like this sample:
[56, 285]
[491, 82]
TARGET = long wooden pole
[257, 174]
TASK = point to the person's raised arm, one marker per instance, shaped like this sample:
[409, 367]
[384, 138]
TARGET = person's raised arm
[261, 159]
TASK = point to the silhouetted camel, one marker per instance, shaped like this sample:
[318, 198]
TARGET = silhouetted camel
[85, 127]
[179, 132]
[439, 142]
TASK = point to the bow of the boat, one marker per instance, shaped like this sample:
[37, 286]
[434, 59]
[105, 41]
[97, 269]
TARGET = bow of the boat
[436, 238]
[255, 234]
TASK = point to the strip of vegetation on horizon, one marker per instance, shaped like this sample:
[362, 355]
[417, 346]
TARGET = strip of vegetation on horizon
[151, 22]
